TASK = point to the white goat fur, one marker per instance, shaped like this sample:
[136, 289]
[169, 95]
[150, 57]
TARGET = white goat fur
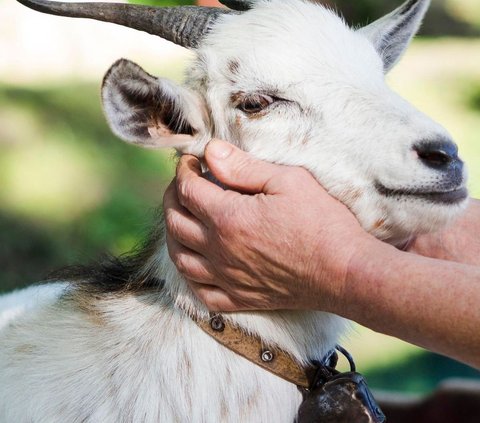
[140, 357]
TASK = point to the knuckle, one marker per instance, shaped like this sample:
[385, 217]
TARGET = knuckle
[184, 189]
[176, 231]
[192, 270]
[234, 275]
[181, 263]
[171, 222]
[200, 274]
[199, 293]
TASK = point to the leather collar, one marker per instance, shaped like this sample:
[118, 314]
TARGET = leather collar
[252, 348]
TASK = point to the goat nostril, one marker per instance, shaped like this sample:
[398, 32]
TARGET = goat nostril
[437, 154]
[436, 157]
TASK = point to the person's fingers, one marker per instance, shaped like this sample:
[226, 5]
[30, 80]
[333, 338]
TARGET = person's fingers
[214, 298]
[191, 265]
[181, 224]
[195, 193]
[187, 230]
[239, 170]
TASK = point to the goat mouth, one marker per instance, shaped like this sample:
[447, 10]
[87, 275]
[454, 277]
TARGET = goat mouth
[454, 196]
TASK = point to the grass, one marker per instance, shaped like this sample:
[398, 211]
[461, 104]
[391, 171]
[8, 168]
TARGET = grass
[70, 190]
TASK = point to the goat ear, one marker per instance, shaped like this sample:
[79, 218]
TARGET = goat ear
[392, 34]
[148, 111]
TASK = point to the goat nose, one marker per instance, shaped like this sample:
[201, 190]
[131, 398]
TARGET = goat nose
[437, 154]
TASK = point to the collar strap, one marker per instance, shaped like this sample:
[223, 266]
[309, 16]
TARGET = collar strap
[252, 348]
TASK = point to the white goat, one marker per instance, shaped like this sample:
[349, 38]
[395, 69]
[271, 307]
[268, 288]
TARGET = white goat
[289, 82]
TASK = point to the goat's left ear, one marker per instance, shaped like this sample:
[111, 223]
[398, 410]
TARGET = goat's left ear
[151, 112]
[392, 34]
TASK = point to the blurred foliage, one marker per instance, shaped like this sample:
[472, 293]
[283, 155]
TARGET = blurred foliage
[70, 189]
[446, 17]
[393, 365]
[418, 373]
[473, 96]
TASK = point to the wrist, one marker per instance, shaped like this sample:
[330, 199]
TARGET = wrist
[366, 273]
[339, 280]
[457, 242]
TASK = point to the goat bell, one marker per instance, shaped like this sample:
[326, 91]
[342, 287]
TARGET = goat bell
[340, 398]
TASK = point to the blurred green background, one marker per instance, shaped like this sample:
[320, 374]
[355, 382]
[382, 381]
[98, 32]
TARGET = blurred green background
[69, 190]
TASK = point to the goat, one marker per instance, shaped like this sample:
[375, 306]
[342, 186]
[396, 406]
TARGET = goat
[291, 83]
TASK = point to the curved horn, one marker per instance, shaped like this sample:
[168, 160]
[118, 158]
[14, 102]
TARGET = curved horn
[241, 5]
[183, 25]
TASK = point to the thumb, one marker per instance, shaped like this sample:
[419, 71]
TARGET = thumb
[239, 170]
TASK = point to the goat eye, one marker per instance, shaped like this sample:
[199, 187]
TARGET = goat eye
[255, 103]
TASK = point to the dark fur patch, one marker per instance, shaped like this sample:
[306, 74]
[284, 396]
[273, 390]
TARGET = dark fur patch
[167, 113]
[156, 110]
[135, 97]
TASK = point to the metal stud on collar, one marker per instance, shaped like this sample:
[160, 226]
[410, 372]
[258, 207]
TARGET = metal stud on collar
[217, 324]
[267, 356]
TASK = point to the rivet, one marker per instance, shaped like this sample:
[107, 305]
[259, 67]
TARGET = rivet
[217, 324]
[267, 356]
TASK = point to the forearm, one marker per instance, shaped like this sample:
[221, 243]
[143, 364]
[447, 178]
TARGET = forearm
[460, 242]
[430, 303]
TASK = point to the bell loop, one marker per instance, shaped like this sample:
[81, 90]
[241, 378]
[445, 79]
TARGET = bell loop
[348, 356]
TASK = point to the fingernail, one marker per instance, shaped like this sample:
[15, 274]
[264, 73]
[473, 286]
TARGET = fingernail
[219, 149]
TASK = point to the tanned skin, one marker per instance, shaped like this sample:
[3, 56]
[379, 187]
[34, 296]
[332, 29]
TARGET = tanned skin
[286, 244]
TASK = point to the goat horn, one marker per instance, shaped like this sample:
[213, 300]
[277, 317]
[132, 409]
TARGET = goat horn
[240, 5]
[183, 25]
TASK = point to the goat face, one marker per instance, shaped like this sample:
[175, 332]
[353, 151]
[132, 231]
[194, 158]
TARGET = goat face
[289, 82]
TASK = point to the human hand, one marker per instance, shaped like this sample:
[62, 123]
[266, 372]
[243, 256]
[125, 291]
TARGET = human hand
[284, 244]
[459, 242]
